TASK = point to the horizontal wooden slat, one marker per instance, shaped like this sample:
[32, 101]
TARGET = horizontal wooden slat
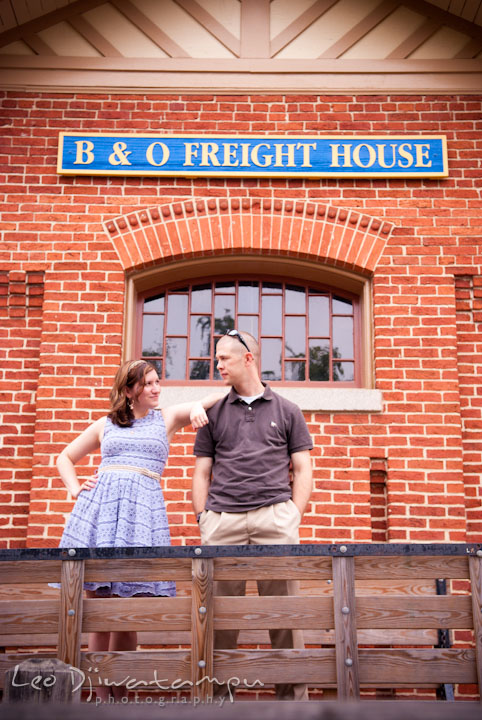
[136, 614]
[147, 569]
[246, 637]
[364, 587]
[277, 568]
[15, 592]
[395, 587]
[415, 566]
[148, 668]
[272, 612]
[389, 668]
[311, 637]
[19, 593]
[30, 616]
[417, 666]
[276, 666]
[30, 571]
[444, 611]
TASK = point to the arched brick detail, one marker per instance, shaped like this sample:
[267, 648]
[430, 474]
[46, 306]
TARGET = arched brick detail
[213, 226]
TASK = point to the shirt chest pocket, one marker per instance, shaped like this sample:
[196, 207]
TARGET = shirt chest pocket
[275, 435]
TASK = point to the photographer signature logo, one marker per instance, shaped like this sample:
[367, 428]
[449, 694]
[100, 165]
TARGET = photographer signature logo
[79, 678]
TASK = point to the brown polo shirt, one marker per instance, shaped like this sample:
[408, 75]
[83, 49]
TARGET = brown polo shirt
[251, 447]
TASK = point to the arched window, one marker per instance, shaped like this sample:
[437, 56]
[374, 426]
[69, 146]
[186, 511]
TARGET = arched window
[307, 333]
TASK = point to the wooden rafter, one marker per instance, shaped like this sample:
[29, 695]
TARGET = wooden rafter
[470, 50]
[7, 15]
[45, 21]
[417, 38]
[471, 9]
[255, 17]
[93, 37]
[361, 29]
[445, 18]
[299, 25]
[152, 31]
[209, 23]
[36, 44]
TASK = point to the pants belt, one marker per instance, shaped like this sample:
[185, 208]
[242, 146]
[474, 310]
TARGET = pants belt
[142, 471]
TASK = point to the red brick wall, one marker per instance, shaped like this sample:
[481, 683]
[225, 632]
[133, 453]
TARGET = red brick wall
[21, 295]
[424, 448]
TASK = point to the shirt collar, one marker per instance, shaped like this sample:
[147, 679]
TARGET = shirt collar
[267, 395]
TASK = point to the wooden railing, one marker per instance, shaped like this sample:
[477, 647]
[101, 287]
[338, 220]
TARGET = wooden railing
[367, 612]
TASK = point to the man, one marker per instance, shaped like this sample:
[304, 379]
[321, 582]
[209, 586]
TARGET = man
[241, 485]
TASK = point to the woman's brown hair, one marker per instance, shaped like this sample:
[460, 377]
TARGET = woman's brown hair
[130, 373]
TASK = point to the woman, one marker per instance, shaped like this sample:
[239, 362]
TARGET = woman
[124, 505]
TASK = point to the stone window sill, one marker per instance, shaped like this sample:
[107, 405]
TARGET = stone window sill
[312, 399]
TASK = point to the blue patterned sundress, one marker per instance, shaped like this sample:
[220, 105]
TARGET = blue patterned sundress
[125, 508]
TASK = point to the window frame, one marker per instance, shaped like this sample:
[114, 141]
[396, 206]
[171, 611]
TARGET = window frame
[189, 281]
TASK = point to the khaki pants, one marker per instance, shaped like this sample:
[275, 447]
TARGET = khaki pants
[272, 525]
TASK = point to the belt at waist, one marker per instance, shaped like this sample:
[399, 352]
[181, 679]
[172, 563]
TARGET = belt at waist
[142, 471]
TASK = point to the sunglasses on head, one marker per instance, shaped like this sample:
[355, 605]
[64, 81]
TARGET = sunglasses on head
[236, 334]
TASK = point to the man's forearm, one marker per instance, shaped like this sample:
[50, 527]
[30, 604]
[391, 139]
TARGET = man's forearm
[199, 496]
[200, 484]
[302, 480]
[302, 487]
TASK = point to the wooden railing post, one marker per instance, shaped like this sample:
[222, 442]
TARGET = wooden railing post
[202, 628]
[70, 613]
[475, 567]
[346, 643]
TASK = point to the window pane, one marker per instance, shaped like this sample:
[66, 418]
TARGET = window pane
[158, 365]
[152, 334]
[223, 314]
[225, 287]
[295, 337]
[319, 360]
[295, 370]
[295, 302]
[342, 337]
[248, 297]
[270, 288]
[271, 315]
[271, 360]
[343, 371]
[342, 306]
[201, 299]
[199, 369]
[175, 358]
[154, 304]
[200, 340]
[319, 316]
[248, 323]
[216, 375]
[177, 314]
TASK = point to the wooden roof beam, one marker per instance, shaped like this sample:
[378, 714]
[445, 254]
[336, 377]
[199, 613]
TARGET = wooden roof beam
[45, 21]
[210, 24]
[150, 29]
[255, 29]
[93, 37]
[299, 25]
[445, 18]
[36, 44]
[417, 38]
[361, 29]
[470, 50]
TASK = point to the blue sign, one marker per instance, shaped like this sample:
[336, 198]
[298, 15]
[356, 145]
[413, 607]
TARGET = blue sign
[253, 155]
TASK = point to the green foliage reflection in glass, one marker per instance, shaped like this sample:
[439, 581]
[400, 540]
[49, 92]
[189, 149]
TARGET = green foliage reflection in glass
[306, 334]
